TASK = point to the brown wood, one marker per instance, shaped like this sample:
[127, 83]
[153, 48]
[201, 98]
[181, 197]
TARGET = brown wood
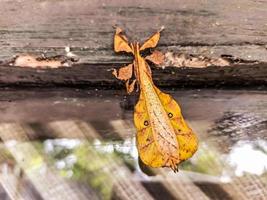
[236, 28]
[99, 75]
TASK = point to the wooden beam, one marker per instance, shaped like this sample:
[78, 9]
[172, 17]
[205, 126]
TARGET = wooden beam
[238, 27]
[99, 75]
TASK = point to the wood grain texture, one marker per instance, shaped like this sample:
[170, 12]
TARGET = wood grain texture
[209, 28]
[48, 25]
[99, 76]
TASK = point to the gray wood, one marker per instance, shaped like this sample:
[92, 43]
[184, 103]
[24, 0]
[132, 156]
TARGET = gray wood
[209, 28]
[50, 25]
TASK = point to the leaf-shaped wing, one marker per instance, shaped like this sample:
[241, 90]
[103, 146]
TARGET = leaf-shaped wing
[151, 42]
[156, 57]
[147, 148]
[121, 42]
[187, 140]
[124, 73]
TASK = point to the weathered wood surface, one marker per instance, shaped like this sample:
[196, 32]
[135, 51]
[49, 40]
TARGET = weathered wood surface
[208, 28]
[100, 76]
[51, 25]
[45, 105]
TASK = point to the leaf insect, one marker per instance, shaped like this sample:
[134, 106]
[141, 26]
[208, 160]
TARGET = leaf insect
[163, 137]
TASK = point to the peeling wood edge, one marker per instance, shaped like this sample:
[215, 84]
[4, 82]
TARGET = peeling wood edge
[100, 76]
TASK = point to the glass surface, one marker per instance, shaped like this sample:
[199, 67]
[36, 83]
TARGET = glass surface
[80, 144]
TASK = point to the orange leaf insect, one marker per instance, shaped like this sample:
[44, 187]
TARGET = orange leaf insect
[163, 137]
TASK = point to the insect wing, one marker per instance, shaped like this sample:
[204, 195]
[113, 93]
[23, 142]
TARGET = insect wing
[187, 139]
[151, 42]
[121, 42]
[147, 148]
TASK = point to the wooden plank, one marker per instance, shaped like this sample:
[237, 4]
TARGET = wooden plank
[46, 105]
[215, 107]
[236, 28]
[116, 172]
[87, 26]
[17, 186]
[35, 105]
[45, 179]
[181, 186]
[97, 76]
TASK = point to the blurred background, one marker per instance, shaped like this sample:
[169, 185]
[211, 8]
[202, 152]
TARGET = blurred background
[66, 124]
